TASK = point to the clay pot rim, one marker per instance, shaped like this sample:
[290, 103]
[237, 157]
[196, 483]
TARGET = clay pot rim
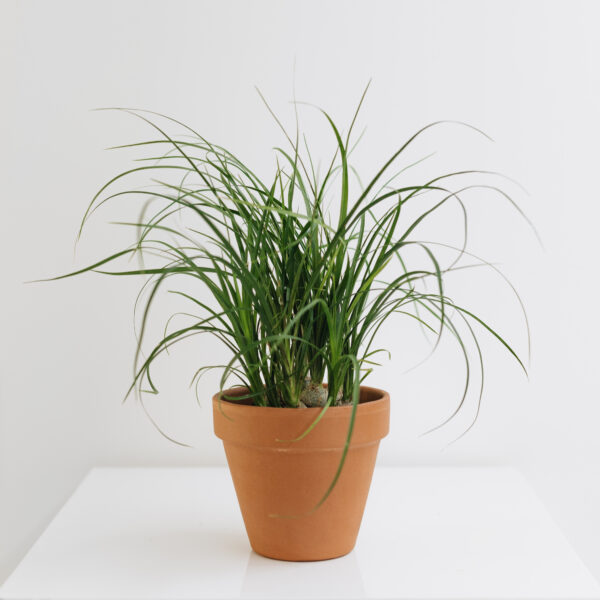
[381, 398]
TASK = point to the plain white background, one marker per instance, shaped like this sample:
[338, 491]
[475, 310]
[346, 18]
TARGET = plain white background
[528, 73]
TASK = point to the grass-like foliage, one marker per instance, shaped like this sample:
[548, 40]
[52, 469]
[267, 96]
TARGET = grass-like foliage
[301, 274]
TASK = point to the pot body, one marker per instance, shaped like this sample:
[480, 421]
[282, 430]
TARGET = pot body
[279, 481]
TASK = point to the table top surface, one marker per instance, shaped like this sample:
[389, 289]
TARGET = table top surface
[177, 533]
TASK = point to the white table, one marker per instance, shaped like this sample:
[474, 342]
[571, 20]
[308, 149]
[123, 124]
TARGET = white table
[177, 533]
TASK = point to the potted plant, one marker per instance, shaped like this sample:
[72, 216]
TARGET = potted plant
[297, 289]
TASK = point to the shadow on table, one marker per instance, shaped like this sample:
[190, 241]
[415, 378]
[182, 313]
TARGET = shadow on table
[337, 578]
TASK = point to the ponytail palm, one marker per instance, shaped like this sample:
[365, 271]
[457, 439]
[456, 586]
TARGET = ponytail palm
[294, 290]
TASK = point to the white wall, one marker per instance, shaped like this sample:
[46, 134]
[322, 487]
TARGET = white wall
[528, 73]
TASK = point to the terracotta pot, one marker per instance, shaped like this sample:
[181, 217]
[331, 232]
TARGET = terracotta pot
[279, 482]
